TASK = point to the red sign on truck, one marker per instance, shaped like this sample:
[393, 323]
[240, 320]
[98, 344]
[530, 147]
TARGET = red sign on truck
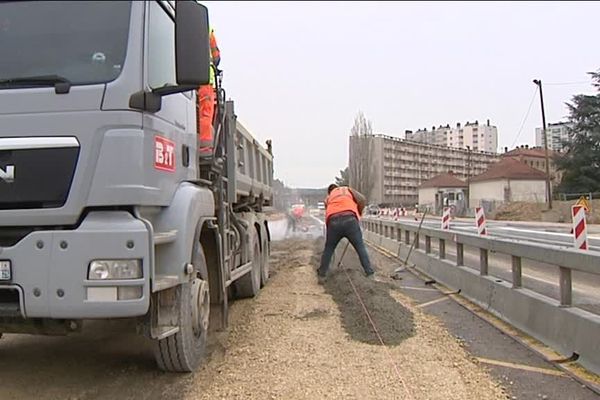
[164, 154]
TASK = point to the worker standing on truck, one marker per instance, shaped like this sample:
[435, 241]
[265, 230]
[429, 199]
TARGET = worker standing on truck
[343, 207]
[206, 101]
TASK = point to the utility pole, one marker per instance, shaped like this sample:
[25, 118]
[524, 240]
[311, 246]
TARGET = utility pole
[538, 82]
[468, 177]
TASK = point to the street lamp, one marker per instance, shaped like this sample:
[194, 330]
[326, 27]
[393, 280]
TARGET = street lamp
[468, 176]
[538, 82]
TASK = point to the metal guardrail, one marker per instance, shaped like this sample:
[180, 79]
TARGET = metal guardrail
[567, 260]
[570, 330]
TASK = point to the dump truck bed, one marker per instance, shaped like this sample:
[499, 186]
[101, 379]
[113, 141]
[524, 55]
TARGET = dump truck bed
[253, 168]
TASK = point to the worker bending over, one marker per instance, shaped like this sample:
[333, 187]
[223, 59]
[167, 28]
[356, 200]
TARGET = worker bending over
[343, 207]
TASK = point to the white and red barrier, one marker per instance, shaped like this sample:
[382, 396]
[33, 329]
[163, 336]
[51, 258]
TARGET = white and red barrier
[446, 218]
[480, 221]
[579, 228]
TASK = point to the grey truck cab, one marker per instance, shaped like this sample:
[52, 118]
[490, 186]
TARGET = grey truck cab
[106, 211]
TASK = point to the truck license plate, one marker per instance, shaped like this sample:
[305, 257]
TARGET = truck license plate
[4, 270]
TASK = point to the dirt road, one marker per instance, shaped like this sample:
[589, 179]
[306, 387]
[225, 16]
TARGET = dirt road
[296, 340]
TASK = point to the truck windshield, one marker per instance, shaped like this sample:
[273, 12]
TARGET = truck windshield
[80, 42]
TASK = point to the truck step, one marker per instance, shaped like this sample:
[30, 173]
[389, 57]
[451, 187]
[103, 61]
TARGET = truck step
[164, 282]
[165, 237]
[161, 332]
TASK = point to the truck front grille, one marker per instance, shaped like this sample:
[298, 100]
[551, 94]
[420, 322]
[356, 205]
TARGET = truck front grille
[36, 177]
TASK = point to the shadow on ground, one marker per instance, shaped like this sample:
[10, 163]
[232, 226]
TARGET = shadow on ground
[394, 322]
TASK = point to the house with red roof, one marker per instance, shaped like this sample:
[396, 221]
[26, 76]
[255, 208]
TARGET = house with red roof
[443, 190]
[535, 157]
[507, 181]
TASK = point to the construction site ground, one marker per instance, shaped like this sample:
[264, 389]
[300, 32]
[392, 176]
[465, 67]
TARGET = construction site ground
[301, 340]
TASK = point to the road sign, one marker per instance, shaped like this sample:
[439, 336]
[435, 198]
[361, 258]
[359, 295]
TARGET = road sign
[583, 201]
[446, 218]
[480, 221]
[579, 228]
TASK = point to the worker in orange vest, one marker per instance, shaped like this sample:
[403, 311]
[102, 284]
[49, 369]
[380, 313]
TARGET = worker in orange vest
[206, 102]
[343, 207]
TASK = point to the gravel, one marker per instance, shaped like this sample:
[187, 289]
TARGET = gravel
[301, 340]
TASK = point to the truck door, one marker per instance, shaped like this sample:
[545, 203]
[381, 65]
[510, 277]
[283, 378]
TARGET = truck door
[171, 130]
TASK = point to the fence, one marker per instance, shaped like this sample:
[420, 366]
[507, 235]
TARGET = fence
[567, 329]
[574, 196]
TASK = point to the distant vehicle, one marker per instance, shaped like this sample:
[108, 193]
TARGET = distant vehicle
[321, 206]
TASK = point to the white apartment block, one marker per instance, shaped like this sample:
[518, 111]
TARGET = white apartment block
[557, 134]
[472, 135]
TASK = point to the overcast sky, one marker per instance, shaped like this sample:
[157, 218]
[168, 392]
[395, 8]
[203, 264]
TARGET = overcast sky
[300, 71]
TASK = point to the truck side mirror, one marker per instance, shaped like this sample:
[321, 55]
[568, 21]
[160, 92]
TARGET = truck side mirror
[192, 47]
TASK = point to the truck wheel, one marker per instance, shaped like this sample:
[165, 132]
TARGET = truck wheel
[264, 267]
[184, 351]
[249, 284]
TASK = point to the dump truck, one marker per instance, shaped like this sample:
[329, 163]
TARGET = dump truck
[107, 210]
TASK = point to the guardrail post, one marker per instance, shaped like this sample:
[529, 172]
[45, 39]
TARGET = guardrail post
[483, 261]
[417, 240]
[427, 244]
[460, 254]
[566, 287]
[407, 236]
[442, 249]
[399, 234]
[516, 272]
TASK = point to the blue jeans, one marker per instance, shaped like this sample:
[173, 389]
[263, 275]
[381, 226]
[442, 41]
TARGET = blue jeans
[344, 226]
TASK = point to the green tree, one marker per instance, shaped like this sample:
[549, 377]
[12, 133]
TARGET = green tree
[344, 178]
[581, 162]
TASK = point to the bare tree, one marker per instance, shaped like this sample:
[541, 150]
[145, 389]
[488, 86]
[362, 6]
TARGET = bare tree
[361, 155]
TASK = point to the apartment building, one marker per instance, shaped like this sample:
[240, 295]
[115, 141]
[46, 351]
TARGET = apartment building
[400, 166]
[557, 133]
[472, 135]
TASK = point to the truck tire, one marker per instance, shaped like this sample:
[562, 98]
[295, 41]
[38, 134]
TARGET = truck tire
[184, 351]
[264, 267]
[249, 284]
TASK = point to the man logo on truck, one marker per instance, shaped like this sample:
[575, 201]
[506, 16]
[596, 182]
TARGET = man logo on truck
[7, 174]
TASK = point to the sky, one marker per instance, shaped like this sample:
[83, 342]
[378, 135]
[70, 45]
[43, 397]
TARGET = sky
[299, 72]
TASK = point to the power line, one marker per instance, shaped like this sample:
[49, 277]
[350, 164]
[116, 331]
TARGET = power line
[565, 83]
[525, 118]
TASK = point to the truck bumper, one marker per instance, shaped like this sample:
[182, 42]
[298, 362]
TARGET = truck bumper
[49, 270]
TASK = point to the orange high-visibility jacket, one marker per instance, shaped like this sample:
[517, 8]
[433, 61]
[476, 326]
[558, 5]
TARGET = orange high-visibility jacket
[339, 200]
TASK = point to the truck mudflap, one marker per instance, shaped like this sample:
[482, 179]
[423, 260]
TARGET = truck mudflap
[50, 270]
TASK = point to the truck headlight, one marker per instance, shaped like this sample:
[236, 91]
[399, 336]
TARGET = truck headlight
[115, 269]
